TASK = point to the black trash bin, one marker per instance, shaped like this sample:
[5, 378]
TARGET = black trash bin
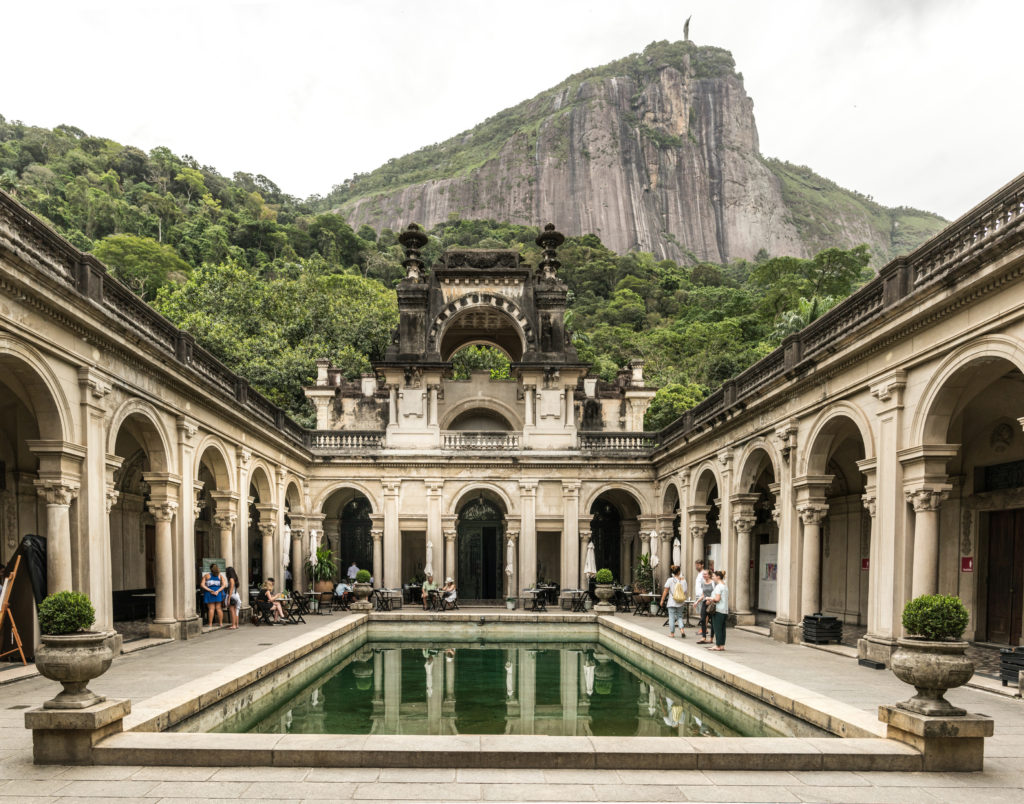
[1011, 663]
[820, 629]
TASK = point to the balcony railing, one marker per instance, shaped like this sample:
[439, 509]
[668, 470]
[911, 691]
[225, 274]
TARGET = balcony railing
[479, 439]
[618, 442]
[339, 440]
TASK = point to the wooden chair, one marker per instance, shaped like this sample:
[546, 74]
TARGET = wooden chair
[325, 603]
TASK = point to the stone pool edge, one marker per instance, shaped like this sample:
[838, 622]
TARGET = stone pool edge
[146, 742]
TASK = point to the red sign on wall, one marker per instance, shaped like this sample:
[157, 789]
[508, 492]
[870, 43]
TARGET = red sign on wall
[966, 563]
[864, 563]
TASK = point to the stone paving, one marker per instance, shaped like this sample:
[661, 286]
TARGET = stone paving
[148, 672]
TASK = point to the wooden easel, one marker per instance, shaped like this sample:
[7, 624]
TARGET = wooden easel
[5, 611]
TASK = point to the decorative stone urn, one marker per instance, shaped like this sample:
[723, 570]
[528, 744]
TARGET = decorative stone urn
[362, 591]
[74, 660]
[604, 592]
[932, 667]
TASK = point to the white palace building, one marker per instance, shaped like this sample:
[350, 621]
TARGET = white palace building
[877, 455]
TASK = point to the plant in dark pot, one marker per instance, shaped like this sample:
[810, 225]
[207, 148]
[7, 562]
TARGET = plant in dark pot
[604, 591]
[362, 588]
[70, 653]
[322, 571]
[643, 575]
[932, 659]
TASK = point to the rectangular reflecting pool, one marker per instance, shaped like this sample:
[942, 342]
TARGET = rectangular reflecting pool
[472, 688]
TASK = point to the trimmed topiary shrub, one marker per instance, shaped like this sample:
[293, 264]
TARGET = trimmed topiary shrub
[65, 613]
[935, 617]
[363, 576]
[604, 576]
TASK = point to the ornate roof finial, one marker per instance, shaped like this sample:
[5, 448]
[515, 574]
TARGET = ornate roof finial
[413, 239]
[550, 240]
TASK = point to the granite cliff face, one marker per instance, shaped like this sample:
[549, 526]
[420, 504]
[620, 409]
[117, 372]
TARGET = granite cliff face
[656, 152]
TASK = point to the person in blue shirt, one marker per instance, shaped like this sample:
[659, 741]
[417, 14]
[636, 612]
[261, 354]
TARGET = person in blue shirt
[214, 588]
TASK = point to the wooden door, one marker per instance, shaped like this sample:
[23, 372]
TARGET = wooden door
[1005, 577]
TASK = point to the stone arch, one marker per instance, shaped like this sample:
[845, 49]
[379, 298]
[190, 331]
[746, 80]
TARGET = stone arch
[40, 387]
[824, 430]
[219, 465]
[293, 494]
[146, 425]
[671, 496]
[514, 338]
[944, 392]
[706, 479]
[755, 455]
[489, 491]
[636, 503]
[506, 411]
[260, 476]
[351, 486]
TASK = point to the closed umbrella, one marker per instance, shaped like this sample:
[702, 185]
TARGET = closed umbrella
[652, 701]
[588, 675]
[286, 540]
[677, 552]
[590, 565]
[654, 549]
[427, 568]
[312, 547]
[510, 558]
[510, 682]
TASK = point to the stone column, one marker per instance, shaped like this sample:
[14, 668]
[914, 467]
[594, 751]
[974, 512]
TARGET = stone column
[785, 627]
[163, 511]
[435, 534]
[698, 530]
[92, 570]
[570, 532]
[267, 530]
[392, 689]
[584, 541]
[225, 517]
[926, 502]
[569, 690]
[451, 567]
[511, 581]
[378, 555]
[392, 569]
[724, 503]
[58, 496]
[743, 521]
[527, 690]
[812, 515]
[528, 535]
[299, 581]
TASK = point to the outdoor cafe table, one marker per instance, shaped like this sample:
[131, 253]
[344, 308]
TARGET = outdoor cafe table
[577, 597]
[536, 598]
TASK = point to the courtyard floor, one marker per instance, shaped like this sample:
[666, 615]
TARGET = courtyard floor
[145, 673]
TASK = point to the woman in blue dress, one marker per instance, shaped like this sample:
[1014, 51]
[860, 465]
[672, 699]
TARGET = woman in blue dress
[213, 587]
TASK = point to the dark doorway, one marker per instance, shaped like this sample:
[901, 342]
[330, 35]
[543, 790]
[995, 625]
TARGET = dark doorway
[606, 532]
[480, 532]
[356, 542]
[1005, 577]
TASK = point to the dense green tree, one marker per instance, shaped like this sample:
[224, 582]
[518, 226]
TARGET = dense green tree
[141, 263]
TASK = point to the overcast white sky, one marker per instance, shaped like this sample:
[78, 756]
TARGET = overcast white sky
[915, 102]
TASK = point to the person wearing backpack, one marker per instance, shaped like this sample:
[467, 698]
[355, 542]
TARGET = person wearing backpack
[675, 592]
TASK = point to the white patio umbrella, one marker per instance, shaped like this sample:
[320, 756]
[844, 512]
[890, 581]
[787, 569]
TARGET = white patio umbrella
[588, 675]
[510, 558]
[313, 544]
[428, 666]
[654, 549]
[286, 545]
[428, 568]
[677, 552]
[590, 564]
[510, 684]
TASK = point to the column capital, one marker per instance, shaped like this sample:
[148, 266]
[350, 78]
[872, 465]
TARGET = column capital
[391, 487]
[163, 510]
[376, 534]
[888, 390]
[812, 513]
[512, 534]
[926, 498]
[786, 437]
[225, 520]
[434, 487]
[187, 428]
[777, 513]
[243, 455]
[450, 534]
[95, 385]
[744, 521]
[56, 492]
[528, 488]
[585, 536]
[298, 534]
[698, 530]
[110, 498]
[570, 488]
[267, 528]
[870, 500]
[725, 459]
[684, 476]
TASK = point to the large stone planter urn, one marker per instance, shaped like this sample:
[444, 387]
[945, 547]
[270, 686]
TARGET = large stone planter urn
[932, 667]
[604, 592]
[362, 591]
[74, 660]
[323, 586]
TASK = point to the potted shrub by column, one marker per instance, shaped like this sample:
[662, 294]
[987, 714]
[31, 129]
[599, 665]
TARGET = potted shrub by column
[323, 571]
[932, 659]
[362, 588]
[604, 591]
[70, 653]
[510, 603]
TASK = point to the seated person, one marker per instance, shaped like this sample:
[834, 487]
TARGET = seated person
[267, 596]
[448, 591]
[343, 590]
[428, 587]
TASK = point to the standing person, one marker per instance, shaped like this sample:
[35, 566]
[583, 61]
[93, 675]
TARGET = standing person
[234, 596]
[698, 577]
[214, 588]
[352, 572]
[703, 592]
[720, 596]
[675, 591]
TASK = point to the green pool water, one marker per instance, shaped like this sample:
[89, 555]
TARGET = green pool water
[513, 688]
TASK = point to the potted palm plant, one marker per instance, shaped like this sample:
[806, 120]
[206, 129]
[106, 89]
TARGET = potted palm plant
[71, 653]
[323, 570]
[362, 589]
[604, 591]
[932, 659]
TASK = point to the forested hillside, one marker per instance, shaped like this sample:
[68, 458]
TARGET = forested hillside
[269, 284]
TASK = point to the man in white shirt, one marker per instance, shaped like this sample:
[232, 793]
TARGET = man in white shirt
[352, 572]
[698, 578]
